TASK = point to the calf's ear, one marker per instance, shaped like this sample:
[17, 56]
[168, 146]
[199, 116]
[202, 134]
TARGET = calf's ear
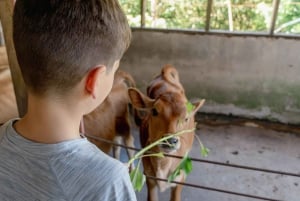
[170, 74]
[197, 105]
[139, 100]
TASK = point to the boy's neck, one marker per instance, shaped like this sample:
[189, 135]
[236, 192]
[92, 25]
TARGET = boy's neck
[49, 121]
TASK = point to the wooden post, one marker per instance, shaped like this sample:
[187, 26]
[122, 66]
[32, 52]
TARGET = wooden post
[230, 18]
[6, 11]
[143, 13]
[208, 13]
[274, 16]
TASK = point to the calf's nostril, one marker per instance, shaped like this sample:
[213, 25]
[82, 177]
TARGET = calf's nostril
[172, 140]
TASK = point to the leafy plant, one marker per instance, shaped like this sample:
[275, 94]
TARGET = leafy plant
[136, 176]
[185, 165]
[189, 107]
[203, 150]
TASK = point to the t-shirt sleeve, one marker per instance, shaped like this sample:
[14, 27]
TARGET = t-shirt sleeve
[96, 177]
[114, 186]
[120, 187]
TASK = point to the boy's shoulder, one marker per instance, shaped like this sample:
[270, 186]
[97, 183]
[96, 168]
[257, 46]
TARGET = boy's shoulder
[82, 155]
[85, 155]
[75, 169]
[92, 169]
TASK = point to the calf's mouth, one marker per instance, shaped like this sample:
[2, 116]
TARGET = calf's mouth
[170, 145]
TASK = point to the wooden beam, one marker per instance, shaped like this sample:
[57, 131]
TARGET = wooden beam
[6, 11]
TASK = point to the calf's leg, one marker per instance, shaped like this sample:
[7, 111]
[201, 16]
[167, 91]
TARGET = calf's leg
[116, 148]
[176, 193]
[152, 190]
[129, 142]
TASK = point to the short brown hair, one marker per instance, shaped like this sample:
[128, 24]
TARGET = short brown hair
[58, 41]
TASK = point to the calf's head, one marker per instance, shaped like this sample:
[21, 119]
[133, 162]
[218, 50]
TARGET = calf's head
[166, 115]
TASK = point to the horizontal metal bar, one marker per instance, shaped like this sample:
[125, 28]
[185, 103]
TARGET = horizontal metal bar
[245, 167]
[214, 189]
[205, 161]
[219, 32]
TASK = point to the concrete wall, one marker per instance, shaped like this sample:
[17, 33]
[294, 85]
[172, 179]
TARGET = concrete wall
[251, 76]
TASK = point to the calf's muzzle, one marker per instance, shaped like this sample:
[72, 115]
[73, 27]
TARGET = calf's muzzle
[170, 144]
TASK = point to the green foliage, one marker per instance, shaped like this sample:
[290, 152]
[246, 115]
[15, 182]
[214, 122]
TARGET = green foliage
[136, 176]
[159, 155]
[289, 10]
[176, 14]
[204, 151]
[132, 9]
[137, 179]
[189, 107]
[184, 166]
[247, 15]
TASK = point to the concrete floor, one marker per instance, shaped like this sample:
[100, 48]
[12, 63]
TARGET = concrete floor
[242, 145]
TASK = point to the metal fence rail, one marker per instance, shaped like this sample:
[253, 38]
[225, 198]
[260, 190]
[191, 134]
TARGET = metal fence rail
[209, 162]
[215, 189]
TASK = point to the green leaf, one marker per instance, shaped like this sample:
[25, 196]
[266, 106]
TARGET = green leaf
[185, 165]
[189, 107]
[159, 155]
[137, 179]
[173, 175]
[204, 151]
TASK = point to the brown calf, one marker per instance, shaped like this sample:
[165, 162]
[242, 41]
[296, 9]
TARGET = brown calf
[111, 120]
[166, 113]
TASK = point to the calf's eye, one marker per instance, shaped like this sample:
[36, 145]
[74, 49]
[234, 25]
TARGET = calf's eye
[154, 112]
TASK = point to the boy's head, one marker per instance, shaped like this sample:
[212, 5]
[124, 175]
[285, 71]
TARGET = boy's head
[58, 42]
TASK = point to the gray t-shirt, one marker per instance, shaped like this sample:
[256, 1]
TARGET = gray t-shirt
[70, 170]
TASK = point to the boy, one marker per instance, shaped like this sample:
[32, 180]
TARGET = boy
[68, 51]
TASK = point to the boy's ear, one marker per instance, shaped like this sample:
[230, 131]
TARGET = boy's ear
[91, 80]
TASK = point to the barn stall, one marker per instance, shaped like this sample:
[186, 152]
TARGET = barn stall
[249, 78]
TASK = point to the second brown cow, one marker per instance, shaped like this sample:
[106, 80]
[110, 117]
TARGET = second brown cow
[166, 111]
[111, 120]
